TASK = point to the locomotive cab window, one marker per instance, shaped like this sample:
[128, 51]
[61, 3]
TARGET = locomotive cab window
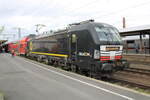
[107, 34]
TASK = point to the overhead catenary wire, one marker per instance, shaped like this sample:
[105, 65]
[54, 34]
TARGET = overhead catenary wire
[87, 4]
[80, 7]
[76, 10]
[124, 9]
[107, 14]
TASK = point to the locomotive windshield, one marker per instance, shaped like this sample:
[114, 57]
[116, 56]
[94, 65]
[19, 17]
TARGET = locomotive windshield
[108, 34]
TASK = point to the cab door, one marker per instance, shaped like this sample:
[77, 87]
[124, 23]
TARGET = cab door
[73, 47]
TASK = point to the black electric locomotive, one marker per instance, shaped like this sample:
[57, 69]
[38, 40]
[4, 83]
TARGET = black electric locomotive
[86, 47]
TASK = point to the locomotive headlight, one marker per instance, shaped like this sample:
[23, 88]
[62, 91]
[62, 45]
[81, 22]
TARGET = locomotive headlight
[103, 47]
[121, 48]
[96, 54]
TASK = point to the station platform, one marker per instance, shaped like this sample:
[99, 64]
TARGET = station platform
[1, 96]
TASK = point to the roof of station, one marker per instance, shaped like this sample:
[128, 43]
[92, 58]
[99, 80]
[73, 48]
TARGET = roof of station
[144, 29]
[2, 41]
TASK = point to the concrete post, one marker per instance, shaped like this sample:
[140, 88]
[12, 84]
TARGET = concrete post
[141, 44]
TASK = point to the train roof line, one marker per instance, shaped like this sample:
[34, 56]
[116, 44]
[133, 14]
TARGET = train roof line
[65, 30]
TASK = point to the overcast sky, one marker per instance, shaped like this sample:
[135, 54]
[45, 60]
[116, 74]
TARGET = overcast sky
[56, 14]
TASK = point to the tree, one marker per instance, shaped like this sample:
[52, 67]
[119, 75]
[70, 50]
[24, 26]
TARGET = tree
[1, 29]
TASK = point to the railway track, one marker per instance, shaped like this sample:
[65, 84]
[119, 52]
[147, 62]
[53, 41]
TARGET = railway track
[132, 79]
[138, 71]
[131, 83]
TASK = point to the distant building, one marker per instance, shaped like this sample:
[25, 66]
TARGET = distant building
[136, 36]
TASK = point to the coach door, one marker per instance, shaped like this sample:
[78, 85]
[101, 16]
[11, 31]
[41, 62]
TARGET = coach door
[73, 47]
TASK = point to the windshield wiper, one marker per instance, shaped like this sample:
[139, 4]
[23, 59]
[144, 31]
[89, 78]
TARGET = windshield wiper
[108, 36]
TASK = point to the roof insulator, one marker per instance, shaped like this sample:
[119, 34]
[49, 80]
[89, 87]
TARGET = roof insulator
[83, 22]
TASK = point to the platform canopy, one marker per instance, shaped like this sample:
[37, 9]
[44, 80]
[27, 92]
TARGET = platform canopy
[134, 31]
[145, 29]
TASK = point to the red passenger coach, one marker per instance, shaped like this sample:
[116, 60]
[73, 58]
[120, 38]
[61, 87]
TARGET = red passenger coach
[22, 46]
[13, 46]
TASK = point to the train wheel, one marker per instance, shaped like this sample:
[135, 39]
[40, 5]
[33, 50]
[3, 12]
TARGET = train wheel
[93, 72]
[56, 64]
[79, 71]
[38, 59]
[90, 74]
[47, 61]
[73, 68]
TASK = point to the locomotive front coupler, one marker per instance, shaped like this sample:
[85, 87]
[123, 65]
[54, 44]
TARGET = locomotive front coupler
[107, 67]
[120, 64]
